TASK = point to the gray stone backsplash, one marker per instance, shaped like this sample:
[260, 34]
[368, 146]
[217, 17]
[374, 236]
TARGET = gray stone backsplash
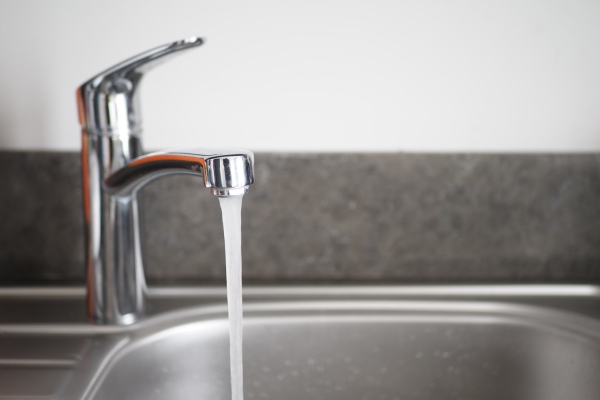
[329, 217]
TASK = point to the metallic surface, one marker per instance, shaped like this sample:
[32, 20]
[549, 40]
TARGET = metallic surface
[114, 169]
[408, 342]
[220, 169]
[109, 102]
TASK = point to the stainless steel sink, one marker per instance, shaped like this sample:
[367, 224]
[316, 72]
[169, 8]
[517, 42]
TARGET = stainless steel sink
[394, 342]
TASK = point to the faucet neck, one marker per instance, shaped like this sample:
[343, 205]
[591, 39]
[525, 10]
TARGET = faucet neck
[115, 276]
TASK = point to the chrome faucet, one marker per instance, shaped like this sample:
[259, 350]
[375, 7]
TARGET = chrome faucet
[114, 169]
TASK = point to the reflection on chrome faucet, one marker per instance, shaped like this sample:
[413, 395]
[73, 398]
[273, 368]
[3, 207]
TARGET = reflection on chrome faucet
[114, 169]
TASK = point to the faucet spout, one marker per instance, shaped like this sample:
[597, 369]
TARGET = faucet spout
[226, 172]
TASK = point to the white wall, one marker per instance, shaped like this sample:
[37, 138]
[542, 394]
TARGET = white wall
[316, 75]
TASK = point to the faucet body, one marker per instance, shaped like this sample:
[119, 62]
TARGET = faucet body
[114, 169]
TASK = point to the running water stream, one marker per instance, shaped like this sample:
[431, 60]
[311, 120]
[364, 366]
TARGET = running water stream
[231, 208]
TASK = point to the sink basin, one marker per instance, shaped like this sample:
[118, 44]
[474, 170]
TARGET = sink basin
[428, 342]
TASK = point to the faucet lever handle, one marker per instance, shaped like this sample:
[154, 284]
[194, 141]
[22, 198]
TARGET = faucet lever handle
[108, 103]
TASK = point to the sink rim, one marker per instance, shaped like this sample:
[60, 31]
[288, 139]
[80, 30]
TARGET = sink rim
[365, 289]
[509, 299]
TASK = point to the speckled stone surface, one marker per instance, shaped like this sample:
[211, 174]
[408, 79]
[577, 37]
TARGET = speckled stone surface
[330, 217]
[41, 218]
